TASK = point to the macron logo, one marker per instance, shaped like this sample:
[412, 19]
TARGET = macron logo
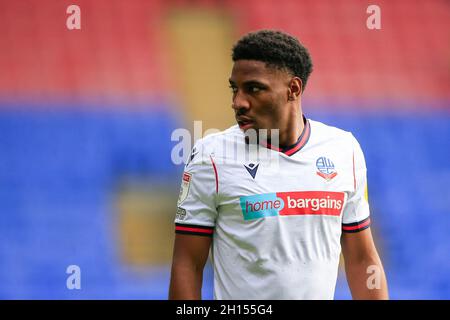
[252, 168]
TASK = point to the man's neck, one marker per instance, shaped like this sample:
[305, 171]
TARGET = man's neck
[294, 128]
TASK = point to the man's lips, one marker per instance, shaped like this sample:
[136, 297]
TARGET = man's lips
[244, 123]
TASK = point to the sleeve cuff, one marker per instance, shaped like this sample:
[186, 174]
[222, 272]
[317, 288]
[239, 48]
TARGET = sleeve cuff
[356, 226]
[194, 230]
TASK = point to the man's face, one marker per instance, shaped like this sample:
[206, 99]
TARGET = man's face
[260, 95]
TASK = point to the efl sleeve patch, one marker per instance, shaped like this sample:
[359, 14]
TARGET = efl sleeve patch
[184, 190]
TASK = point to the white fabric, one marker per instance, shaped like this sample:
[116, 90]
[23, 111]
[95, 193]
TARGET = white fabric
[264, 249]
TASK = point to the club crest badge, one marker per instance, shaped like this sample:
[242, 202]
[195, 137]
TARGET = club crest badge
[325, 168]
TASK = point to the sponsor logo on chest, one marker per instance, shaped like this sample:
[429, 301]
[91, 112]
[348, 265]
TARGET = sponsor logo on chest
[292, 203]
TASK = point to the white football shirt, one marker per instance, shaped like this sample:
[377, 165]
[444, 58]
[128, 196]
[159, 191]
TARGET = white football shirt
[276, 216]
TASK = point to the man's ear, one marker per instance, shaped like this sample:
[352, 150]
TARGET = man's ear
[295, 88]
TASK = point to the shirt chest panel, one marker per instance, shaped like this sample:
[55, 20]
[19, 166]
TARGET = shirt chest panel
[311, 172]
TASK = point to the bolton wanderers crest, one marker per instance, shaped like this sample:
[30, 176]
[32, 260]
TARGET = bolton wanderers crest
[325, 168]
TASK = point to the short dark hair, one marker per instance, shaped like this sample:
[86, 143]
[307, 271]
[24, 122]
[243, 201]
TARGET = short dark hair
[277, 49]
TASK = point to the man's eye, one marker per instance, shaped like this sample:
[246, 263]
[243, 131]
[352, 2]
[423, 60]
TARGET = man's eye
[233, 89]
[254, 89]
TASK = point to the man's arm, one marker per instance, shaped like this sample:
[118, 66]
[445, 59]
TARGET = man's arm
[365, 274]
[189, 257]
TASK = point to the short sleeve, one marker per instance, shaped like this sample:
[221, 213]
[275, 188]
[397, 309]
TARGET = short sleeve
[356, 216]
[197, 212]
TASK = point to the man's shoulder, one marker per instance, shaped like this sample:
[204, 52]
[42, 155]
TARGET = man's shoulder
[215, 139]
[321, 131]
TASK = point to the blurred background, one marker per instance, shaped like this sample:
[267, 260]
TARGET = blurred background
[86, 118]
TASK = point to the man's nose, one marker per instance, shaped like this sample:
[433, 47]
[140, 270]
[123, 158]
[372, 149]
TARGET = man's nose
[240, 101]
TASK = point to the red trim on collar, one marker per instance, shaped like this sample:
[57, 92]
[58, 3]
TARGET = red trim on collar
[302, 140]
